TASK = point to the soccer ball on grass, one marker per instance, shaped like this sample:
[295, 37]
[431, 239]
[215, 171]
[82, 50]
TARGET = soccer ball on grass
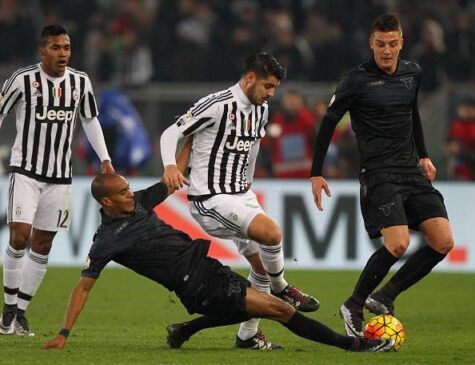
[386, 326]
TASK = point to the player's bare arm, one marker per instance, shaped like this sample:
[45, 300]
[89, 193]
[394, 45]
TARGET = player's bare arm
[76, 303]
[183, 157]
[319, 184]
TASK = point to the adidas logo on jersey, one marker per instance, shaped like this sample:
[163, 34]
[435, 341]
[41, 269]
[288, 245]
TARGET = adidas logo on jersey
[55, 115]
[37, 94]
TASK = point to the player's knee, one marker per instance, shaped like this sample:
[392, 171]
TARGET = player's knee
[445, 246]
[398, 249]
[273, 236]
[41, 247]
[18, 241]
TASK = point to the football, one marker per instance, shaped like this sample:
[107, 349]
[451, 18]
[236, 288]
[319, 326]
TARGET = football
[386, 326]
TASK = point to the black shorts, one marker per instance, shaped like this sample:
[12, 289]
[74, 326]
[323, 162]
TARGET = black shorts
[216, 290]
[393, 199]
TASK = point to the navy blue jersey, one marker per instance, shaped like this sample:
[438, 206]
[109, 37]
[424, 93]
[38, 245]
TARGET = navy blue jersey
[384, 115]
[147, 245]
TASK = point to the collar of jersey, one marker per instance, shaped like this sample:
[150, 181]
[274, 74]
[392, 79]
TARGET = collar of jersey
[240, 96]
[374, 67]
[51, 77]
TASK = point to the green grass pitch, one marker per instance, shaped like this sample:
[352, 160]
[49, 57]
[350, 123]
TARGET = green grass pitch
[125, 318]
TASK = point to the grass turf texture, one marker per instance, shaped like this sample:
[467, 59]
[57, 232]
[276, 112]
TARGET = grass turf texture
[125, 318]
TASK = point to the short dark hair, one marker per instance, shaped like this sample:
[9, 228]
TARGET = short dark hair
[51, 30]
[386, 23]
[264, 65]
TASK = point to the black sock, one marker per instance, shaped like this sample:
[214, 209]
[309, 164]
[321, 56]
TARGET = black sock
[416, 267]
[374, 272]
[201, 323]
[313, 330]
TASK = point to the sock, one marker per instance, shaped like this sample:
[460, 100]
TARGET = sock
[272, 258]
[374, 272]
[34, 271]
[315, 331]
[203, 322]
[12, 274]
[416, 267]
[249, 328]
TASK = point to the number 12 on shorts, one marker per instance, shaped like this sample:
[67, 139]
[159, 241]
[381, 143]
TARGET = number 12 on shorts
[63, 218]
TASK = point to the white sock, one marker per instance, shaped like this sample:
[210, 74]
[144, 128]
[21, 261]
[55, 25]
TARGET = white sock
[12, 274]
[249, 328]
[34, 271]
[272, 258]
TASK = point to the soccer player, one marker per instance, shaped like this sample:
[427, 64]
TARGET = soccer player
[132, 235]
[47, 98]
[226, 128]
[396, 172]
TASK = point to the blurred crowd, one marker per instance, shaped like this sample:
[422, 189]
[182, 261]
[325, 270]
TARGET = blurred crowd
[134, 41]
[127, 43]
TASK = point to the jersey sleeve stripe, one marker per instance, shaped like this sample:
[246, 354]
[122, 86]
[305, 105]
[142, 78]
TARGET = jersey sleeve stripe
[204, 104]
[16, 74]
[10, 103]
[196, 125]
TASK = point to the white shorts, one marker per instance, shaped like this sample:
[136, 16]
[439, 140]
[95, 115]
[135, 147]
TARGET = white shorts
[228, 216]
[45, 206]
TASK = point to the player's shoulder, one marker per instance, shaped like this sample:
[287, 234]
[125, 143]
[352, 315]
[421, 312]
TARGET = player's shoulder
[212, 99]
[17, 74]
[410, 66]
[77, 72]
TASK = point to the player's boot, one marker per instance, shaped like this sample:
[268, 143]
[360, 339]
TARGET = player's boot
[298, 299]
[372, 344]
[6, 320]
[353, 317]
[258, 342]
[378, 304]
[176, 336]
[22, 328]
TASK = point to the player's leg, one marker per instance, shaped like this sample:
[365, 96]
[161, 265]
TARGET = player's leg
[259, 280]
[426, 212]
[52, 214]
[439, 242]
[384, 215]
[229, 216]
[264, 230]
[23, 197]
[267, 306]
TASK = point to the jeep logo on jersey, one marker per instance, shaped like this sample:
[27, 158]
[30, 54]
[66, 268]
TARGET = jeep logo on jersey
[55, 114]
[238, 144]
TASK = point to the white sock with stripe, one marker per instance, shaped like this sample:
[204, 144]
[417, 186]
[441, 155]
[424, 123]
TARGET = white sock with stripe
[34, 271]
[249, 328]
[272, 258]
[12, 274]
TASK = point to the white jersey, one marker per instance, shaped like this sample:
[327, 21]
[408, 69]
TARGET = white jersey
[225, 126]
[46, 111]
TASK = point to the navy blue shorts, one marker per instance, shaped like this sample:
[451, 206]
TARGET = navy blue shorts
[393, 199]
[216, 290]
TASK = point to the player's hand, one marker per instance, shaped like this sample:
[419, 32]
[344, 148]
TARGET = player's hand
[173, 177]
[107, 168]
[319, 184]
[428, 168]
[56, 343]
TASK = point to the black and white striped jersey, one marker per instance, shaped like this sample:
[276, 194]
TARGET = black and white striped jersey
[46, 111]
[225, 126]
